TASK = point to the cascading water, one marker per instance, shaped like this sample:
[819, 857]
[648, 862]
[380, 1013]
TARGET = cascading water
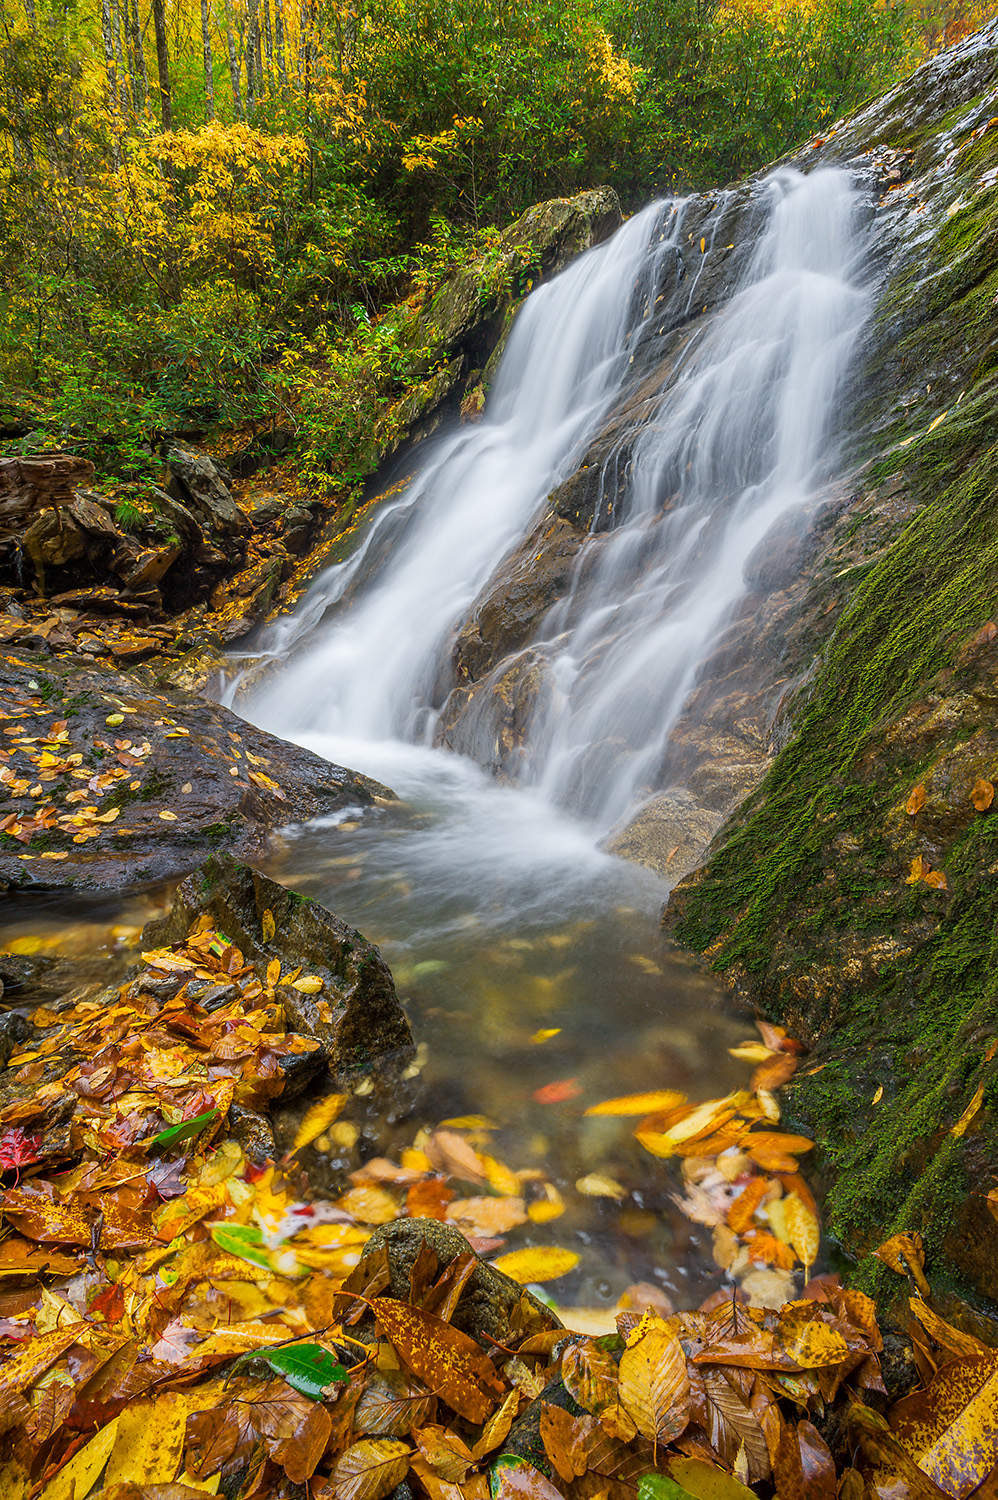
[502, 920]
[737, 443]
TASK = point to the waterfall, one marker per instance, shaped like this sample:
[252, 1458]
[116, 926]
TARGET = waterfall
[739, 440]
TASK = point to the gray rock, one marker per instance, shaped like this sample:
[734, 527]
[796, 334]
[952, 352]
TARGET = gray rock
[197, 482]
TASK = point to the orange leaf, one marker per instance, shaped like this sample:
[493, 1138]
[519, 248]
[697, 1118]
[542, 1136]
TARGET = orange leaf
[742, 1211]
[982, 794]
[444, 1359]
[916, 800]
[370, 1469]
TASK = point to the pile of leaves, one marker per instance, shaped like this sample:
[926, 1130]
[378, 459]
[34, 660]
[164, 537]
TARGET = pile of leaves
[176, 1315]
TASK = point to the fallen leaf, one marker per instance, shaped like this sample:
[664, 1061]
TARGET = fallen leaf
[971, 1110]
[982, 794]
[317, 1119]
[916, 800]
[951, 1429]
[654, 1382]
[638, 1104]
[369, 1470]
[558, 1092]
[540, 1263]
[444, 1359]
[803, 1229]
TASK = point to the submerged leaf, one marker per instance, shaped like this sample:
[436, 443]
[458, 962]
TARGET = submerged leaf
[538, 1263]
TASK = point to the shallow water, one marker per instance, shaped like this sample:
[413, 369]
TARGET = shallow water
[528, 961]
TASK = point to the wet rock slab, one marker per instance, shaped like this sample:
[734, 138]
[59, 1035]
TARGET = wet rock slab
[107, 784]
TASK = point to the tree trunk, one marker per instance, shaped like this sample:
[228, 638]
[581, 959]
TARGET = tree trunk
[209, 77]
[282, 62]
[136, 57]
[268, 47]
[117, 32]
[233, 54]
[252, 86]
[162, 63]
[110, 67]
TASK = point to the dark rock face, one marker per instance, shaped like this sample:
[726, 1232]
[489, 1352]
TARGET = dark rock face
[170, 779]
[355, 1016]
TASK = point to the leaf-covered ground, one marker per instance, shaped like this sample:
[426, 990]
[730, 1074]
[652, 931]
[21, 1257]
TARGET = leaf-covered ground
[177, 1318]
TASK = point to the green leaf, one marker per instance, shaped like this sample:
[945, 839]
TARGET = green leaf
[242, 1239]
[184, 1132]
[308, 1367]
[661, 1487]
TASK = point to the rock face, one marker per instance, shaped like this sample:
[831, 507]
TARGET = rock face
[853, 895]
[355, 1016]
[463, 328]
[110, 784]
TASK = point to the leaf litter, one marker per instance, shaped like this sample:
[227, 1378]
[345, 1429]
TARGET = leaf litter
[175, 1317]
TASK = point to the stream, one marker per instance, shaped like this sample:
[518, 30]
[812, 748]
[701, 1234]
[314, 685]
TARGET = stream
[530, 962]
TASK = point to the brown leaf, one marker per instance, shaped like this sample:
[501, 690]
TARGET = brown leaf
[559, 1435]
[916, 800]
[590, 1375]
[982, 794]
[905, 1254]
[391, 1404]
[496, 1429]
[370, 1469]
[944, 1334]
[447, 1454]
[300, 1454]
[951, 1430]
[817, 1463]
[728, 1422]
[654, 1383]
[517, 1477]
[447, 1361]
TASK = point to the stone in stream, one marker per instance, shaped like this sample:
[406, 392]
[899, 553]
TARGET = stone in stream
[487, 1308]
[140, 785]
[355, 1015]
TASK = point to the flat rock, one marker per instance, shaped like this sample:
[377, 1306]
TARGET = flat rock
[171, 779]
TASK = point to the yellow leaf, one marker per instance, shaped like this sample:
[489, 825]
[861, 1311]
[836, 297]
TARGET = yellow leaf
[703, 246]
[78, 1476]
[961, 1125]
[149, 1442]
[369, 1205]
[539, 1263]
[273, 972]
[551, 1206]
[500, 1178]
[596, 1185]
[802, 1229]
[916, 800]
[108, 817]
[268, 926]
[951, 1429]
[983, 794]
[811, 1343]
[639, 1104]
[654, 1381]
[706, 1481]
[166, 815]
[546, 1034]
[317, 1119]
[311, 984]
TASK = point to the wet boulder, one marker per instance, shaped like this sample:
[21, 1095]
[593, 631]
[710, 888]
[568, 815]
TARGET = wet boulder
[491, 1307]
[348, 1004]
[139, 785]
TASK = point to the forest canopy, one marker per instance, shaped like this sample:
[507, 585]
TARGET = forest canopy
[204, 204]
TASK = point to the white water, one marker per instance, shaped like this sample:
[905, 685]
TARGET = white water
[740, 439]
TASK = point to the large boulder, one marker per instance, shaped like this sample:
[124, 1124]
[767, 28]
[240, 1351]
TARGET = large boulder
[355, 1015]
[110, 784]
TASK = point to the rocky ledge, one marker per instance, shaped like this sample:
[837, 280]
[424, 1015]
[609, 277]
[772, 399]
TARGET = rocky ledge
[109, 784]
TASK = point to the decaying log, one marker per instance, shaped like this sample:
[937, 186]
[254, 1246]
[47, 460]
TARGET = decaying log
[31, 484]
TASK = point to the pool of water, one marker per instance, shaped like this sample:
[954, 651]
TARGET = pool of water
[537, 982]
